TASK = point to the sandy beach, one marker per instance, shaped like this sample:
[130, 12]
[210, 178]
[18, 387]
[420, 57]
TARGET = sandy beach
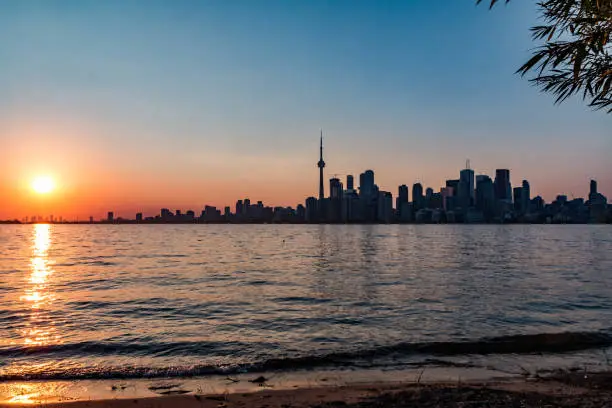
[562, 389]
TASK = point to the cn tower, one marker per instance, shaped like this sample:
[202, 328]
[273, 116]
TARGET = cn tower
[321, 165]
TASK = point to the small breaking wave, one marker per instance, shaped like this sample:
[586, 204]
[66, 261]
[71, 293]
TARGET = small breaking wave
[516, 344]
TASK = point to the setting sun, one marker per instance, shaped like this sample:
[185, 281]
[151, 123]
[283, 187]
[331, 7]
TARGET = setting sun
[43, 185]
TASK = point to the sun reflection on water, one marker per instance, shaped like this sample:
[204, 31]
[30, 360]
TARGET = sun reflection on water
[24, 394]
[38, 297]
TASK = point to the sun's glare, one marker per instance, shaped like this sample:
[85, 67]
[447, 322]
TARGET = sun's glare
[43, 185]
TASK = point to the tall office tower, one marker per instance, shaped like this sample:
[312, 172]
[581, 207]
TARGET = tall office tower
[384, 210]
[321, 166]
[239, 207]
[428, 192]
[366, 183]
[485, 196]
[335, 200]
[447, 196]
[350, 182]
[368, 196]
[428, 195]
[593, 189]
[335, 188]
[518, 199]
[312, 210]
[526, 197]
[503, 191]
[466, 176]
[417, 196]
[402, 194]
[401, 203]
[454, 184]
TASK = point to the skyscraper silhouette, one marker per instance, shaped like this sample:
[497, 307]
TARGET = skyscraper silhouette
[321, 165]
[467, 192]
[350, 182]
[526, 197]
[417, 196]
[503, 191]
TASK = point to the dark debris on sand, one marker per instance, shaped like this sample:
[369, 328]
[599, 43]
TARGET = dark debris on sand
[466, 397]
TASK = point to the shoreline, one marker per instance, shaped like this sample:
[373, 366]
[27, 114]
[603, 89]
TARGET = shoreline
[360, 388]
[56, 391]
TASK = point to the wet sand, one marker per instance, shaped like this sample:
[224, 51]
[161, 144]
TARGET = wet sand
[561, 389]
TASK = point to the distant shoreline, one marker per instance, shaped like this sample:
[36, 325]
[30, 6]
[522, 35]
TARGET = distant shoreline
[131, 222]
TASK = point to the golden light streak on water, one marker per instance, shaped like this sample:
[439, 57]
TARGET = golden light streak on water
[38, 297]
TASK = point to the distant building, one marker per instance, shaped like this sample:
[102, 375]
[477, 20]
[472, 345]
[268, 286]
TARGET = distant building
[166, 214]
[247, 207]
[435, 201]
[537, 204]
[385, 207]
[300, 212]
[368, 197]
[454, 184]
[138, 217]
[335, 188]
[428, 194]
[312, 210]
[485, 197]
[239, 208]
[402, 193]
[417, 197]
[466, 189]
[350, 183]
[502, 185]
[597, 205]
[447, 194]
[110, 217]
[351, 207]
[518, 200]
[526, 197]
[401, 203]
[366, 184]
[336, 194]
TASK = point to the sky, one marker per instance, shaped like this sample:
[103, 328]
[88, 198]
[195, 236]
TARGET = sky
[137, 105]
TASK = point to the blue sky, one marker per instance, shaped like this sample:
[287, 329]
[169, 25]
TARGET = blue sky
[208, 101]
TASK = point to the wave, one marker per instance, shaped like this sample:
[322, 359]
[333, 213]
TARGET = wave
[515, 344]
[89, 348]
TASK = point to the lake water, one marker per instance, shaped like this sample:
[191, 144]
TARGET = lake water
[136, 301]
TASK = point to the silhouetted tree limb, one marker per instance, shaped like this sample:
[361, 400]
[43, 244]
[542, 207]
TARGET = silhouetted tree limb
[576, 55]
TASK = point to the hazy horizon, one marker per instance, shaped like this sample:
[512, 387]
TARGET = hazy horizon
[178, 105]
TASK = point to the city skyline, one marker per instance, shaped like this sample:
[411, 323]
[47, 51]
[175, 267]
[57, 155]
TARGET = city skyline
[469, 198]
[224, 101]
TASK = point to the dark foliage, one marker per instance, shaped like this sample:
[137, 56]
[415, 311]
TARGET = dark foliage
[575, 57]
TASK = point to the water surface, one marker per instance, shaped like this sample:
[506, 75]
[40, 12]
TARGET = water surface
[105, 301]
